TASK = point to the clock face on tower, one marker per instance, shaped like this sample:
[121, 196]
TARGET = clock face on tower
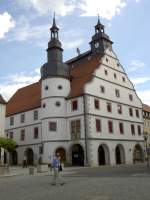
[96, 45]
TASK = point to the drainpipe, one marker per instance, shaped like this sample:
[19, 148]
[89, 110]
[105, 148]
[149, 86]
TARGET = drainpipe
[85, 129]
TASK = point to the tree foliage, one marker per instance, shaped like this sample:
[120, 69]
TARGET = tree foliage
[8, 144]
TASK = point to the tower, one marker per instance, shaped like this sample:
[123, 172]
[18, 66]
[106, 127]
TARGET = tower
[100, 40]
[55, 87]
[54, 65]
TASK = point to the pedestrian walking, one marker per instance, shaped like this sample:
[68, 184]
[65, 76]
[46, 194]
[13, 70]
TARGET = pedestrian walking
[56, 166]
[24, 162]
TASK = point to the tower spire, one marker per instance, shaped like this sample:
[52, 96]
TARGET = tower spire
[99, 27]
[98, 22]
[54, 29]
[54, 65]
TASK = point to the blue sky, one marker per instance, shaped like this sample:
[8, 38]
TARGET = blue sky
[24, 34]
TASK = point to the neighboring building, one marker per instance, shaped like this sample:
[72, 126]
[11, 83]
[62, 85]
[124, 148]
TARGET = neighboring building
[146, 117]
[87, 109]
[2, 123]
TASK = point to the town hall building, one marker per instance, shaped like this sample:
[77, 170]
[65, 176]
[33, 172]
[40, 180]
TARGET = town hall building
[85, 108]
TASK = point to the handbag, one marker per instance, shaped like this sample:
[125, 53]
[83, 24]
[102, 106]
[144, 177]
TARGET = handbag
[60, 168]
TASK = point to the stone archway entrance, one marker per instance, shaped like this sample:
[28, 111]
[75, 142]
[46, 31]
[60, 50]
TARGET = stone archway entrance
[77, 155]
[103, 155]
[62, 153]
[30, 156]
[138, 154]
[120, 154]
[14, 158]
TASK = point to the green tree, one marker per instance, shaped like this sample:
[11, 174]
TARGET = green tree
[8, 144]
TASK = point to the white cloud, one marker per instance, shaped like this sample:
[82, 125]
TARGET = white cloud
[6, 23]
[69, 44]
[144, 96]
[39, 34]
[13, 82]
[61, 7]
[136, 65]
[140, 80]
[106, 8]
[26, 31]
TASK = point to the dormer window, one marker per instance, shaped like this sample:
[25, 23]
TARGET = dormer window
[22, 118]
[35, 114]
[11, 121]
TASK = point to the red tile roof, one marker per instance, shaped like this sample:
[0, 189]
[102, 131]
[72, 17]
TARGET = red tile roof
[2, 101]
[24, 99]
[146, 108]
[82, 74]
[29, 97]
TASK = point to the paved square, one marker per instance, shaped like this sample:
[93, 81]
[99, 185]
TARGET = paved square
[103, 183]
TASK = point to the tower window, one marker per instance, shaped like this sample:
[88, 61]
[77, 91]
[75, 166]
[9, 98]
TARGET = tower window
[107, 60]
[46, 87]
[118, 65]
[57, 103]
[60, 87]
[52, 126]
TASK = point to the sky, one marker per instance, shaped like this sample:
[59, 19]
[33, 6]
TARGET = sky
[24, 34]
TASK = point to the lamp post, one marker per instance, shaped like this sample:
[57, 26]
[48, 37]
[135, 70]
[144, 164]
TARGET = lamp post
[145, 139]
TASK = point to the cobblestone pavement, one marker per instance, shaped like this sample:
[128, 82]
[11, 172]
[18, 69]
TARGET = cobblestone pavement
[104, 183]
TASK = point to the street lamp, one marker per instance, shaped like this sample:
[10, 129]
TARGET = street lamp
[145, 139]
